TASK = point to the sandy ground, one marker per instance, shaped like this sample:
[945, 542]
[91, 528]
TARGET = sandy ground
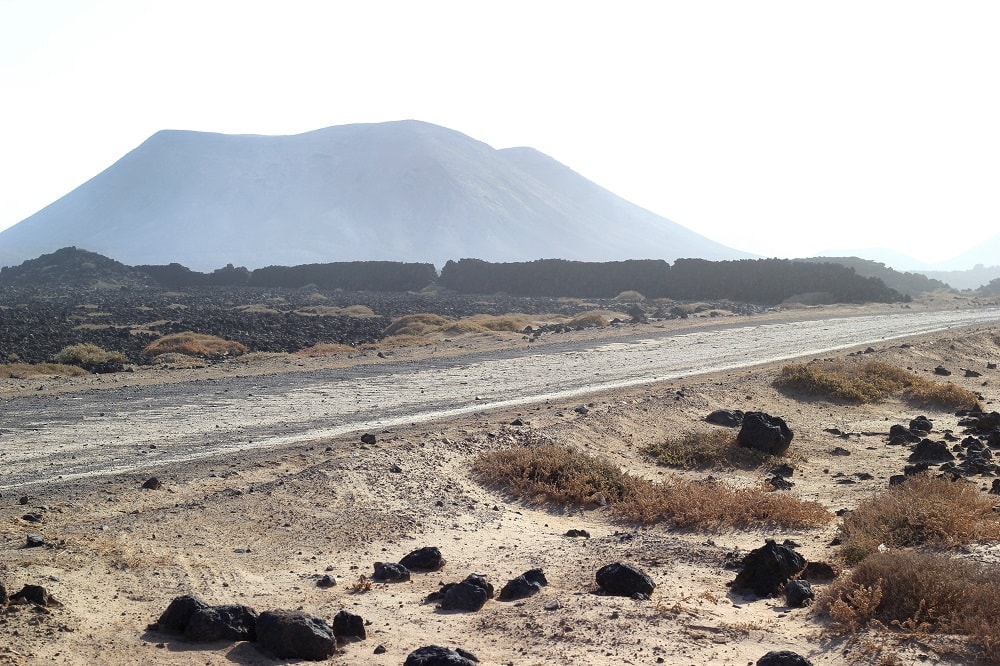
[260, 528]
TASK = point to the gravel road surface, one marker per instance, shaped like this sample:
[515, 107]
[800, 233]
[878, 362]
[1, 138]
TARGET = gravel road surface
[50, 438]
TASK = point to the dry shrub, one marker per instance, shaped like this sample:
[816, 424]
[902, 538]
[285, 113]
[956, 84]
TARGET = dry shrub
[920, 511]
[194, 344]
[461, 327]
[325, 349]
[90, 357]
[919, 593]
[403, 340]
[175, 361]
[417, 324]
[630, 296]
[852, 382]
[715, 449]
[359, 311]
[511, 323]
[25, 370]
[936, 394]
[256, 308]
[870, 381]
[561, 474]
[589, 319]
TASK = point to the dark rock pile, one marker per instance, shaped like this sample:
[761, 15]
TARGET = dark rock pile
[285, 634]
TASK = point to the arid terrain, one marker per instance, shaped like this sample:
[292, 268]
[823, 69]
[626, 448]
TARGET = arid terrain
[263, 526]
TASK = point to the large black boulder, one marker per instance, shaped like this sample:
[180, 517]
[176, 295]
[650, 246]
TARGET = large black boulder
[766, 569]
[288, 634]
[175, 619]
[427, 558]
[222, 623]
[766, 433]
[624, 580]
[435, 655]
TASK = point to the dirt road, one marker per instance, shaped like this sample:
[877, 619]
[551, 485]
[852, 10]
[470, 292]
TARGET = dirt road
[48, 438]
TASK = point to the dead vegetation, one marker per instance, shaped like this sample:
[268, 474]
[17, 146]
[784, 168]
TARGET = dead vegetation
[715, 449]
[325, 349]
[194, 344]
[91, 358]
[26, 370]
[426, 324]
[866, 382]
[920, 595]
[564, 475]
[922, 511]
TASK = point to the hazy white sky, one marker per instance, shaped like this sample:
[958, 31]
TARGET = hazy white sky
[779, 128]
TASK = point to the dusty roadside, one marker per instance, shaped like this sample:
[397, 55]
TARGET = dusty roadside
[261, 527]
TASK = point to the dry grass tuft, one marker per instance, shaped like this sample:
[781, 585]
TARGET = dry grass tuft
[630, 296]
[921, 511]
[590, 320]
[361, 585]
[90, 357]
[194, 344]
[175, 361]
[417, 324]
[325, 349]
[715, 449]
[511, 323]
[920, 594]
[25, 370]
[461, 327]
[871, 381]
[358, 311]
[257, 308]
[561, 474]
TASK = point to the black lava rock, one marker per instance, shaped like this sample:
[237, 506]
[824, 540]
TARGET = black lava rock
[766, 433]
[766, 569]
[930, 451]
[289, 634]
[434, 655]
[729, 418]
[527, 584]
[390, 572]
[799, 593]
[175, 619]
[349, 625]
[222, 623]
[427, 558]
[783, 658]
[35, 594]
[469, 595]
[624, 580]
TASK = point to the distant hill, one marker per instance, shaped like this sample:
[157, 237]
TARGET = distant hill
[70, 266]
[400, 191]
[909, 284]
[974, 278]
